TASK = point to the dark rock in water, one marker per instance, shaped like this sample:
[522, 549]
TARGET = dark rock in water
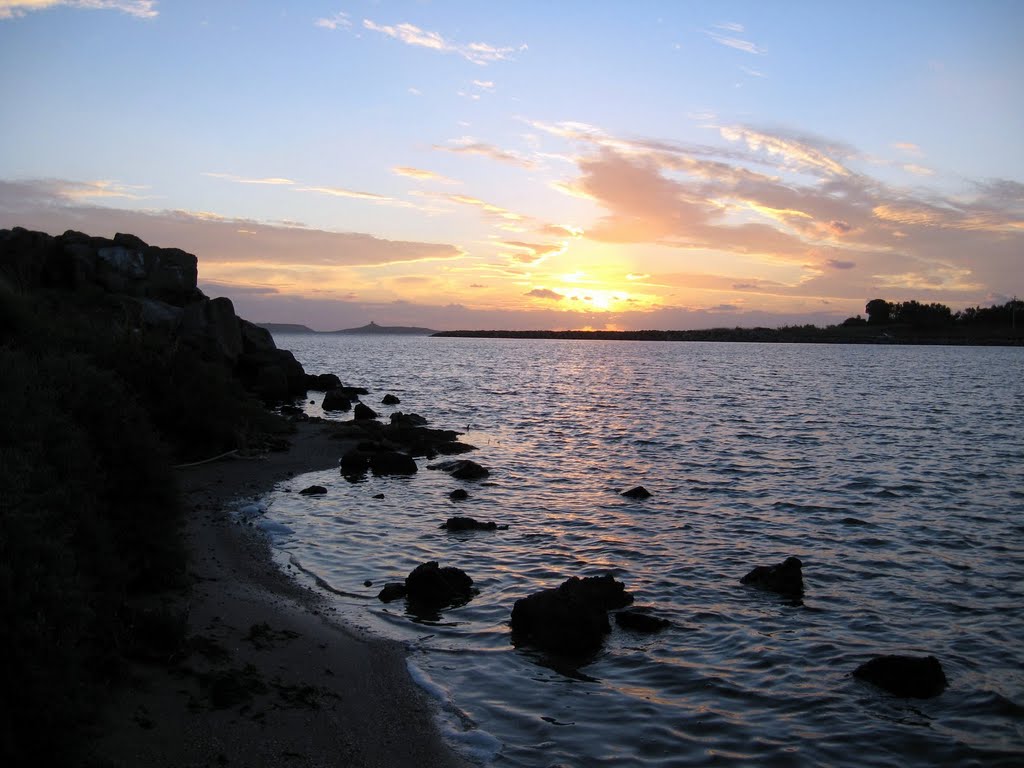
[367, 583]
[392, 463]
[363, 412]
[918, 677]
[459, 494]
[453, 448]
[427, 583]
[637, 493]
[640, 621]
[469, 524]
[390, 400]
[572, 618]
[785, 578]
[322, 382]
[313, 490]
[393, 590]
[291, 410]
[463, 469]
[407, 419]
[378, 496]
[355, 462]
[336, 400]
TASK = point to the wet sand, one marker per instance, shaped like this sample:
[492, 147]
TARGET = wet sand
[266, 678]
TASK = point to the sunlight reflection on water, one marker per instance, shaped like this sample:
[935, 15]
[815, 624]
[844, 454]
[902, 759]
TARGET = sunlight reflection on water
[885, 469]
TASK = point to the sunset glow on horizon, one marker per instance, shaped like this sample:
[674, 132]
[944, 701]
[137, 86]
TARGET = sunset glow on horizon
[529, 166]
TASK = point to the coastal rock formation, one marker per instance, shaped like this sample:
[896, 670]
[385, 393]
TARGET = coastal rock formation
[786, 577]
[469, 524]
[459, 494]
[918, 677]
[400, 419]
[363, 412]
[378, 459]
[571, 618]
[463, 469]
[390, 400]
[431, 586]
[313, 490]
[154, 289]
[637, 493]
[640, 621]
[336, 400]
[322, 382]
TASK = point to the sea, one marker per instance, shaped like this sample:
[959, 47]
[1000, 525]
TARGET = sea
[894, 473]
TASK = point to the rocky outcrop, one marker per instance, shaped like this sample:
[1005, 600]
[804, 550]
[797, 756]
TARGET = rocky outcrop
[569, 619]
[431, 586]
[459, 494]
[156, 289]
[469, 524]
[313, 490]
[390, 400]
[336, 400]
[786, 577]
[322, 382]
[918, 677]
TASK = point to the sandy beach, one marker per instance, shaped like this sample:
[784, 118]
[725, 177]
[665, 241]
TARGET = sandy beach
[266, 678]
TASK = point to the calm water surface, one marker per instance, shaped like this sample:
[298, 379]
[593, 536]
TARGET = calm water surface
[896, 474]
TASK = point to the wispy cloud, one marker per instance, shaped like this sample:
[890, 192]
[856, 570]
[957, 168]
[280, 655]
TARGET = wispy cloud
[143, 9]
[494, 210]
[908, 147]
[918, 170]
[478, 53]
[798, 151]
[534, 253]
[86, 190]
[544, 293]
[273, 180]
[421, 175]
[338, 20]
[467, 145]
[734, 42]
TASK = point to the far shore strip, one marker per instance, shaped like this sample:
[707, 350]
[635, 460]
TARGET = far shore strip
[268, 679]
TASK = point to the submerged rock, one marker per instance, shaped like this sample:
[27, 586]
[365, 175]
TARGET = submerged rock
[918, 677]
[637, 493]
[469, 524]
[640, 621]
[390, 400]
[785, 578]
[313, 490]
[459, 494]
[570, 619]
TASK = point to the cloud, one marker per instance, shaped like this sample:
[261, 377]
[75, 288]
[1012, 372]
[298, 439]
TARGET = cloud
[918, 170]
[142, 9]
[486, 85]
[490, 208]
[467, 145]
[734, 42]
[421, 175]
[241, 180]
[339, 19]
[339, 192]
[478, 53]
[801, 152]
[533, 253]
[837, 264]
[545, 293]
[909, 148]
[46, 206]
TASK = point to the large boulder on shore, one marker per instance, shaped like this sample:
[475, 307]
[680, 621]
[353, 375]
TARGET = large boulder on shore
[786, 577]
[571, 618]
[336, 400]
[917, 677]
[377, 459]
[322, 382]
[363, 412]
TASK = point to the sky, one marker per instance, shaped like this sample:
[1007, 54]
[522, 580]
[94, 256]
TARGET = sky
[531, 165]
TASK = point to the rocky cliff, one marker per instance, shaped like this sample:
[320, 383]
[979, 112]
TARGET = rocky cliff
[155, 291]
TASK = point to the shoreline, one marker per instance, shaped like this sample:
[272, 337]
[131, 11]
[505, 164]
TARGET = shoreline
[265, 677]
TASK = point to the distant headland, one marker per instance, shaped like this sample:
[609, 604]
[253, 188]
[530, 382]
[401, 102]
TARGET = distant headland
[369, 328]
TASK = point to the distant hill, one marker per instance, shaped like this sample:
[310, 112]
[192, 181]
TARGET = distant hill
[286, 328]
[389, 329]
